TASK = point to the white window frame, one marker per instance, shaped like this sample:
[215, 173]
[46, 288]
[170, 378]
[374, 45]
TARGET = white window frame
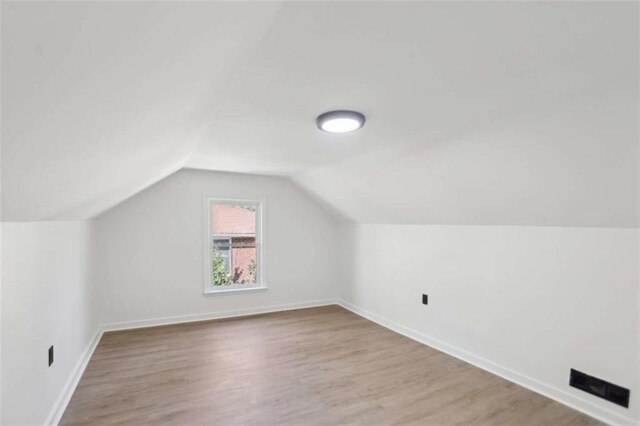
[261, 277]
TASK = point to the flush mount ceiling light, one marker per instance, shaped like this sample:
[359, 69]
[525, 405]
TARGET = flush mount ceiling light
[340, 121]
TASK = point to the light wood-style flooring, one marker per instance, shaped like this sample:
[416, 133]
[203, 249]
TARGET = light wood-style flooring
[320, 366]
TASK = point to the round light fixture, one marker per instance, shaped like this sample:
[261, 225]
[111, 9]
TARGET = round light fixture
[340, 121]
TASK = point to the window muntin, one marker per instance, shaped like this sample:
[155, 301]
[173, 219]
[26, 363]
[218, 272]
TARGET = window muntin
[233, 249]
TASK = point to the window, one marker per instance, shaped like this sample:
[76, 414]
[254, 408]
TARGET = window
[233, 245]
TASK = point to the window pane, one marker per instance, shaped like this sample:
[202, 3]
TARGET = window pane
[244, 263]
[233, 244]
[234, 262]
[222, 248]
[228, 219]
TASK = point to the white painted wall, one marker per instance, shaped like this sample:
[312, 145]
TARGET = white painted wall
[48, 299]
[534, 300]
[151, 248]
[526, 302]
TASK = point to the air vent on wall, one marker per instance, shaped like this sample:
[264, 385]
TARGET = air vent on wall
[598, 387]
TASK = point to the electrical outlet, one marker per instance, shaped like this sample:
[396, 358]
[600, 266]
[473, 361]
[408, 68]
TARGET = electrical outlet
[425, 299]
[50, 355]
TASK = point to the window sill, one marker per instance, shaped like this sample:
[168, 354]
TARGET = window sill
[234, 290]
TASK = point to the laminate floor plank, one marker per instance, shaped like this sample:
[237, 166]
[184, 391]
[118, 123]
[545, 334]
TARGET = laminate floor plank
[317, 366]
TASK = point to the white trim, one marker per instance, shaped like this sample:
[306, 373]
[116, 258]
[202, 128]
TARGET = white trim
[215, 315]
[530, 383]
[260, 236]
[241, 288]
[72, 382]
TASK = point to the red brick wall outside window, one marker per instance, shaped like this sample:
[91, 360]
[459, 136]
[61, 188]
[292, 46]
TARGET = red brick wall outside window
[239, 224]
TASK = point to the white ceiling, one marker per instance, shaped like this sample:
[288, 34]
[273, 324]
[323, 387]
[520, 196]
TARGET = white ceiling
[478, 113]
[572, 163]
[101, 99]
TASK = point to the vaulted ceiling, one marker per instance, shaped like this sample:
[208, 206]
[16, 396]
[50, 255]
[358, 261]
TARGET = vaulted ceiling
[477, 113]
[101, 99]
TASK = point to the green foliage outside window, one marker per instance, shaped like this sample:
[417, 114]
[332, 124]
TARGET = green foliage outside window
[220, 274]
[252, 270]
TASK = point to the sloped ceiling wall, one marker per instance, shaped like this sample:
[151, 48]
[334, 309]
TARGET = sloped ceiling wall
[571, 163]
[489, 113]
[478, 113]
[101, 99]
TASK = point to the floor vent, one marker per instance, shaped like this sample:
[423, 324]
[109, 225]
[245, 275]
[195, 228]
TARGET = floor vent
[598, 387]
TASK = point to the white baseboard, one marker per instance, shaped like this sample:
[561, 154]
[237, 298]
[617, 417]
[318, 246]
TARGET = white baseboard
[549, 391]
[215, 315]
[70, 386]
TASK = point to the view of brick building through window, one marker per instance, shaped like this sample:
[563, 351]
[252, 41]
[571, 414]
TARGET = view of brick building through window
[233, 229]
